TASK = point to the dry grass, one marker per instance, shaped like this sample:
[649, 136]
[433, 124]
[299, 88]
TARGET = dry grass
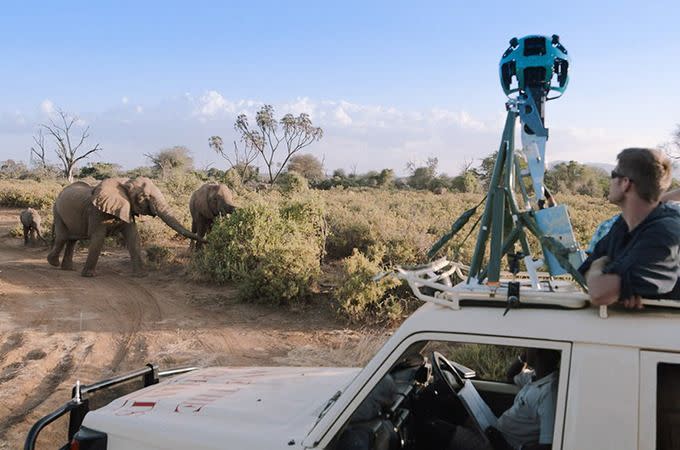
[388, 226]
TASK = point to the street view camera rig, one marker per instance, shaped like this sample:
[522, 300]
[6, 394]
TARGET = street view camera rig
[517, 203]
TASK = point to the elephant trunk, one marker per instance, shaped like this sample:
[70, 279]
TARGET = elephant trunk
[163, 212]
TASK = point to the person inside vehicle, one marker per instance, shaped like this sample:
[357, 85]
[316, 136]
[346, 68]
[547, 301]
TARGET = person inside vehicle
[528, 424]
[360, 433]
[640, 256]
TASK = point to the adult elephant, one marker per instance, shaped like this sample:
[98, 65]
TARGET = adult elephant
[85, 212]
[206, 203]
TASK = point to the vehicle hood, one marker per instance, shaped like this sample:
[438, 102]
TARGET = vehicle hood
[253, 408]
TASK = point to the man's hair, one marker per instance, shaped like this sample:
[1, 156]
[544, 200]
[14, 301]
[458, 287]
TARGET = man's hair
[649, 169]
[549, 358]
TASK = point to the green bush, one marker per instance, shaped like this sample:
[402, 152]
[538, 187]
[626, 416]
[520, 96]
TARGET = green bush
[271, 249]
[361, 298]
[292, 182]
[181, 184]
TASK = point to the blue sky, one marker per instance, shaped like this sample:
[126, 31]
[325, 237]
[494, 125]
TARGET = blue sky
[390, 82]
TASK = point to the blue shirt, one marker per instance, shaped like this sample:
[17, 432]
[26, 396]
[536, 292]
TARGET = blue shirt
[647, 259]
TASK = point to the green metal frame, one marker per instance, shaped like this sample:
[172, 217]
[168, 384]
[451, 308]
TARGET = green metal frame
[503, 224]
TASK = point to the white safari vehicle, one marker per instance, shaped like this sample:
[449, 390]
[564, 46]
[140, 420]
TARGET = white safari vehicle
[618, 385]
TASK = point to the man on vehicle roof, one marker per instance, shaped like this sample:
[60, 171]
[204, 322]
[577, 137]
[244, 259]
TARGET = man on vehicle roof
[640, 256]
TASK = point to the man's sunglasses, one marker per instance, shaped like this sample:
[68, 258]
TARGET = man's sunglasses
[617, 174]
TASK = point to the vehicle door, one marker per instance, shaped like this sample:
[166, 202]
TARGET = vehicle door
[494, 391]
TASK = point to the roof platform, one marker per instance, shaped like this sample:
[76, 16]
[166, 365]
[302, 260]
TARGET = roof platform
[436, 283]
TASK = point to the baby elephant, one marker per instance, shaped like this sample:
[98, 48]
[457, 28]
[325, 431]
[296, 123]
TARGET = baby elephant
[206, 203]
[30, 219]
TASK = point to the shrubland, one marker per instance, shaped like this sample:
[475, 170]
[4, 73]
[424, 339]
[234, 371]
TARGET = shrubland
[280, 240]
[29, 193]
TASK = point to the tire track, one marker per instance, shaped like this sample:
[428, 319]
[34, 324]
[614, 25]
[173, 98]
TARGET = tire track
[132, 303]
[45, 389]
[13, 341]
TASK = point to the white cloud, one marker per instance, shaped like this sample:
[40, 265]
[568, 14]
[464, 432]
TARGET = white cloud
[341, 116]
[211, 104]
[299, 106]
[460, 118]
[125, 100]
[47, 106]
[139, 109]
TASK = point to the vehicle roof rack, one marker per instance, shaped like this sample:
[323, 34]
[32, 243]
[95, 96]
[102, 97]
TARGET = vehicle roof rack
[443, 282]
[434, 283]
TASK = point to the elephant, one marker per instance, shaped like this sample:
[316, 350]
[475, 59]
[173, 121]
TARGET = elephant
[85, 212]
[206, 203]
[30, 219]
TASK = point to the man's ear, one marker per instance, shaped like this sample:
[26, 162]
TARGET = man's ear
[628, 186]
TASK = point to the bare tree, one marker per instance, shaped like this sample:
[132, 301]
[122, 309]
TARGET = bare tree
[69, 149]
[38, 152]
[353, 169]
[466, 164]
[240, 160]
[673, 146]
[292, 133]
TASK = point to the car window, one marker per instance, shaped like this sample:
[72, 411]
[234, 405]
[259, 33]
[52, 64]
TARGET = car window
[668, 406]
[490, 362]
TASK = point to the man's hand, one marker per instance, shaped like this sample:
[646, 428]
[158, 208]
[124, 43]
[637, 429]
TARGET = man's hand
[634, 302]
[603, 287]
[599, 264]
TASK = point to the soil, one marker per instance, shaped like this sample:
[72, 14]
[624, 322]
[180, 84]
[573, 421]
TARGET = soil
[57, 327]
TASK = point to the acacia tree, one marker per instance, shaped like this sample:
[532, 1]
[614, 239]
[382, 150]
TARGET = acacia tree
[422, 176]
[308, 166]
[173, 159]
[290, 133]
[69, 148]
[240, 160]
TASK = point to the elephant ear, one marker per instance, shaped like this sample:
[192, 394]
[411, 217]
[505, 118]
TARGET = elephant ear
[212, 200]
[111, 197]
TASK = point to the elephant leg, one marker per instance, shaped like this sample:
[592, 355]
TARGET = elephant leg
[201, 230]
[40, 236]
[60, 233]
[94, 250]
[194, 228]
[33, 239]
[26, 231]
[134, 247]
[67, 261]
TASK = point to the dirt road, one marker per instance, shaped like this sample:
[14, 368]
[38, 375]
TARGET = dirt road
[56, 327]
